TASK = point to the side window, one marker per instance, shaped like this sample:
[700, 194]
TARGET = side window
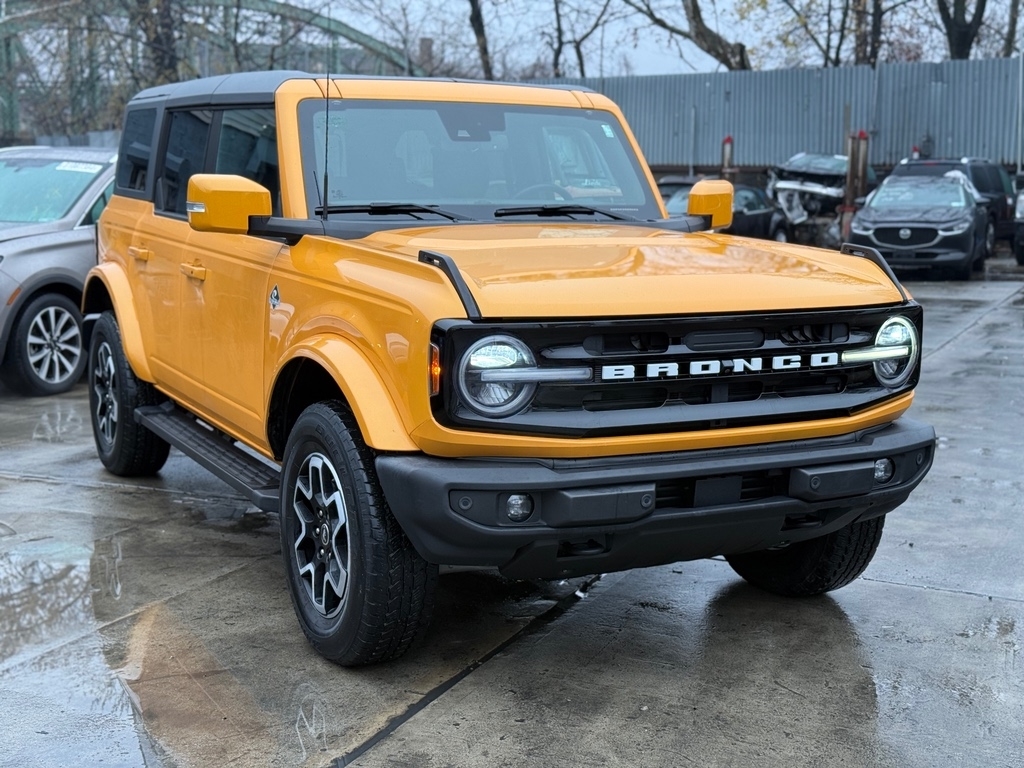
[187, 136]
[93, 215]
[1004, 178]
[248, 147]
[136, 148]
[986, 179]
[746, 200]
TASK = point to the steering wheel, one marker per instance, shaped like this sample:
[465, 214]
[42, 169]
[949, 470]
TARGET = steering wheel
[558, 193]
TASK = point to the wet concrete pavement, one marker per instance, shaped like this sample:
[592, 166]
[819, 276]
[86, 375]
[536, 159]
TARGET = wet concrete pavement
[148, 622]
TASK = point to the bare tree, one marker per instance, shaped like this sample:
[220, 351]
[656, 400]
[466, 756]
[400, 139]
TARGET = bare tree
[575, 23]
[729, 54]
[476, 21]
[961, 31]
[1010, 39]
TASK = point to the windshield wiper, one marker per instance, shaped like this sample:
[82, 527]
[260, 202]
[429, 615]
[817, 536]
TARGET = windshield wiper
[382, 209]
[559, 209]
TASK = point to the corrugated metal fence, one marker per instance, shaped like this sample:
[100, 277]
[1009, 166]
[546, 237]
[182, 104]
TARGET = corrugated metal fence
[962, 107]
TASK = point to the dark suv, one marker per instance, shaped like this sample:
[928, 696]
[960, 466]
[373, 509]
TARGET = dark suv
[990, 179]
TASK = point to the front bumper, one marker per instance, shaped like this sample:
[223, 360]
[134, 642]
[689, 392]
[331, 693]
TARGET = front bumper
[953, 251]
[608, 514]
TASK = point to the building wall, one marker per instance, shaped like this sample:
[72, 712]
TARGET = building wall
[965, 107]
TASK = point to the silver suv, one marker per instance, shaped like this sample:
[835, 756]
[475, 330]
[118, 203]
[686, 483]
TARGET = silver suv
[50, 199]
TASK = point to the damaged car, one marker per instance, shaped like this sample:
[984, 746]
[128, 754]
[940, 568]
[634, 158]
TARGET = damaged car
[809, 189]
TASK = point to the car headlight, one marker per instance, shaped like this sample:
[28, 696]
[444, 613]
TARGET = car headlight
[1018, 211]
[859, 228]
[487, 379]
[894, 353]
[956, 229]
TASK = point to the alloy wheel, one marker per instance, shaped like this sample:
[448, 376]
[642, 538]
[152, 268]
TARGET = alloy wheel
[322, 540]
[54, 345]
[104, 383]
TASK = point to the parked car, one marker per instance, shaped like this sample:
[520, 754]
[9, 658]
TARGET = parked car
[753, 214]
[670, 184]
[990, 179]
[440, 323]
[921, 223]
[1018, 223]
[50, 200]
[809, 188]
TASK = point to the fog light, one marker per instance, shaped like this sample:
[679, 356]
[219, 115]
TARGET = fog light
[520, 506]
[884, 469]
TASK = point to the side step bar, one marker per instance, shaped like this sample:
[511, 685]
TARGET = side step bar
[216, 451]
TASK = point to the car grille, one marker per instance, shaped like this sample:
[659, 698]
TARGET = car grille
[736, 394]
[918, 236]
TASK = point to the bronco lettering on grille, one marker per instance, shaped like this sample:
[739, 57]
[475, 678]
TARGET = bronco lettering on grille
[734, 365]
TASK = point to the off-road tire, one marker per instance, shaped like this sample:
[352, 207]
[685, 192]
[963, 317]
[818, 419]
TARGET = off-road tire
[384, 607]
[815, 566]
[46, 354]
[125, 447]
[1018, 251]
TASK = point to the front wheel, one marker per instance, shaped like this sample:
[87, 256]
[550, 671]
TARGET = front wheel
[1018, 250]
[125, 447]
[815, 566]
[361, 592]
[47, 355]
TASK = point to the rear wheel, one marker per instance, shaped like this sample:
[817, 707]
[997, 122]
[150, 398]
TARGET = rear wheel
[815, 566]
[47, 354]
[990, 239]
[125, 447]
[361, 592]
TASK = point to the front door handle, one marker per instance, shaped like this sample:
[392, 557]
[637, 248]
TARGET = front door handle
[141, 254]
[194, 271]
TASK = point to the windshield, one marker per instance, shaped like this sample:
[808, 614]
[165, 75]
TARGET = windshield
[468, 159]
[933, 195]
[40, 188]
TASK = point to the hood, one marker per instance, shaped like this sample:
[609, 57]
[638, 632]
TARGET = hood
[573, 270]
[912, 217]
[15, 230]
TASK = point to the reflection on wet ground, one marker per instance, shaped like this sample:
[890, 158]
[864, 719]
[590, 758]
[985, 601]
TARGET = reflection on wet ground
[148, 623]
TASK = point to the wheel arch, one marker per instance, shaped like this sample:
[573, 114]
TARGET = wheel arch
[333, 369]
[107, 290]
[28, 292]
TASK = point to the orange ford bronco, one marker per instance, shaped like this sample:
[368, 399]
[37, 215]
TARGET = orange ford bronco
[441, 323]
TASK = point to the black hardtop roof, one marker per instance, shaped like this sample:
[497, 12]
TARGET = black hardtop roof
[260, 87]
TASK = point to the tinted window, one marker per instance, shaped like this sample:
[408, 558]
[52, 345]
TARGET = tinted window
[136, 147]
[986, 179]
[97, 208]
[187, 137]
[248, 147]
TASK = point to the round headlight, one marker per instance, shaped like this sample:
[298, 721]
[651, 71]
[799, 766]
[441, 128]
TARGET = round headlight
[898, 333]
[490, 395]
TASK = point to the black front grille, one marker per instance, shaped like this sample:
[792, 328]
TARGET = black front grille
[916, 236]
[681, 374]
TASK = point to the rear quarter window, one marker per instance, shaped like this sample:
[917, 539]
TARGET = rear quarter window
[133, 160]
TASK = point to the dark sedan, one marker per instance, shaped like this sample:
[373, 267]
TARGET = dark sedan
[924, 223]
[753, 213]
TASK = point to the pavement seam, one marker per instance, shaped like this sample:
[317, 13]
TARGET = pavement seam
[946, 590]
[534, 625]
